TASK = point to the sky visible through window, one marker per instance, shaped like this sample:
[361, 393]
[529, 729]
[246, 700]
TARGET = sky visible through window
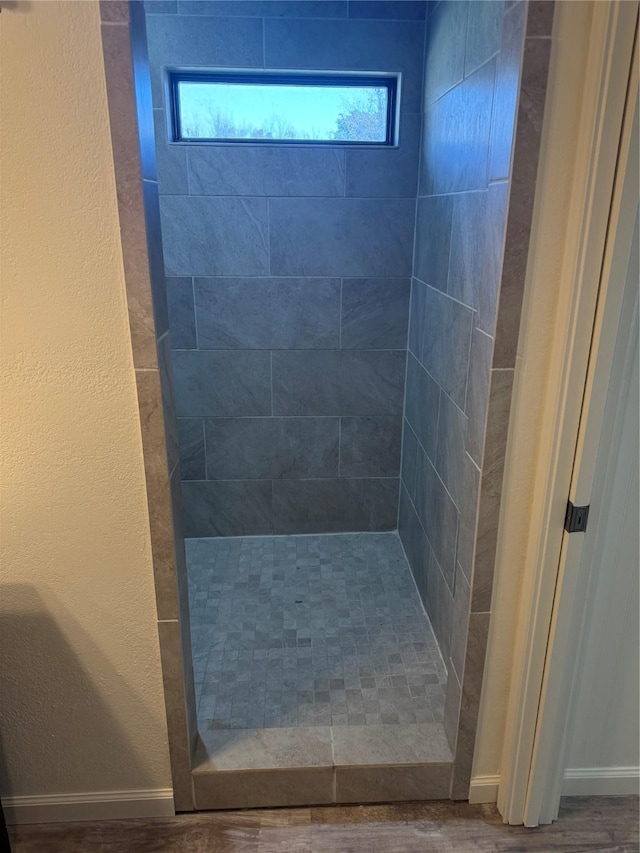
[214, 110]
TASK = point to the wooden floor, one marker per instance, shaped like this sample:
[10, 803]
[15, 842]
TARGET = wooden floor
[606, 825]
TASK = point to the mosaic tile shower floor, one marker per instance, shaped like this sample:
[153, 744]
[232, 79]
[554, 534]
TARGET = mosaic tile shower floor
[310, 630]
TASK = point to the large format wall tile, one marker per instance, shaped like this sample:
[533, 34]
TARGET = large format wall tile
[214, 236]
[439, 604]
[421, 405]
[222, 384]
[450, 452]
[478, 393]
[414, 541]
[456, 136]
[206, 41]
[334, 506]
[446, 343]
[273, 170]
[266, 8]
[389, 10]
[484, 33]
[264, 313]
[438, 516]
[375, 313]
[445, 47]
[348, 237]
[354, 45]
[506, 91]
[365, 382]
[370, 447]
[227, 508]
[416, 317]
[477, 244]
[191, 440]
[433, 239]
[386, 172]
[182, 319]
[271, 448]
[409, 459]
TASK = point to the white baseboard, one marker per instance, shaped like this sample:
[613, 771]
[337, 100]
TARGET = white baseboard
[92, 805]
[484, 789]
[601, 781]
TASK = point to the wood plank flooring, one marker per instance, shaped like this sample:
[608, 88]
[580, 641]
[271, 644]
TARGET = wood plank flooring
[605, 825]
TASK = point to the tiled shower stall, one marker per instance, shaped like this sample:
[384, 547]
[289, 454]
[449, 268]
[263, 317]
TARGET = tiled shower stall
[343, 324]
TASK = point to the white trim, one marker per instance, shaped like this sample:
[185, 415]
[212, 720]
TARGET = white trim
[483, 789]
[601, 781]
[91, 805]
[597, 38]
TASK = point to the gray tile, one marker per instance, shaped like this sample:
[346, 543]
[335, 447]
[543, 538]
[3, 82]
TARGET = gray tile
[438, 516]
[452, 708]
[421, 406]
[445, 47]
[345, 237]
[214, 236]
[265, 749]
[263, 788]
[151, 224]
[506, 92]
[446, 343]
[461, 607]
[182, 320]
[455, 146]
[468, 515]
[491, 488]
[332, 506]
[352, 45]
[222, 384]
[171, 160]
[450, 452]
[202, 41]
[477, 246]
[409, 458]
[168, 402]
[266, 8]
[114, 11]
[227, 508]
[416, 317]
[265, 171]
[439, 606]
[387, 172]
[264, 313]
[414, 542]
[389, 10]
[470, 704]
[422, 743]
[484, 33]
[375, 313]
[191, 439]
[384, 784]
[160, 7]
[365, 382]
[535, 69]
[271, 448]
[478, 393]
[433, 239]
[540, 18]
[370, 447]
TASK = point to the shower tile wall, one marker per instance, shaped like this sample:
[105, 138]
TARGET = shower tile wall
[472, 64]
[289, 279]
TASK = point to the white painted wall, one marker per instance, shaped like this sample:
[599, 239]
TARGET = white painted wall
[81, 701]
[604, 748]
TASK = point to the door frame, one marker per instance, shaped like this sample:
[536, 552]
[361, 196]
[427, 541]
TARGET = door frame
[599, 38]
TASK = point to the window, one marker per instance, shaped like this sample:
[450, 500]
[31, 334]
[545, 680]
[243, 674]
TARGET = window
[287, 108]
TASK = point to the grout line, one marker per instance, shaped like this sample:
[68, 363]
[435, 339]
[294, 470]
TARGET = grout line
[271, 378]
[287, 480]
[339, 444]
[195, 313]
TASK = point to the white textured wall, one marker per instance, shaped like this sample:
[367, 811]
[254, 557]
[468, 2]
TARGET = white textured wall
[81, 703]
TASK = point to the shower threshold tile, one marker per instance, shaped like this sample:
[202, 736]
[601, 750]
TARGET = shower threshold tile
[309, 632]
